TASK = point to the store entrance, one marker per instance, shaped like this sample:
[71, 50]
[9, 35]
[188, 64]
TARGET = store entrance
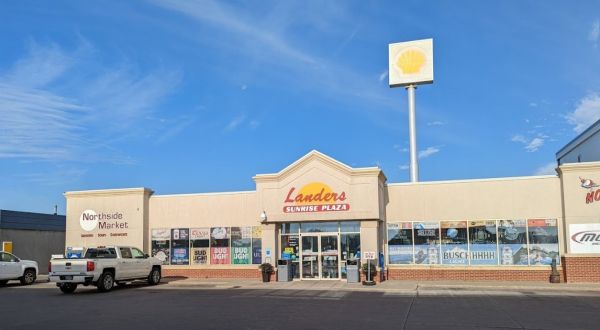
[319, 255]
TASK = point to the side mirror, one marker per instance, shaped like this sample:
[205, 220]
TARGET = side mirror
[146, 256]
[17, 260]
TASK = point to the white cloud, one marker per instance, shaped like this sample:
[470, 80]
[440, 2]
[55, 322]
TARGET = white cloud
[428, 152]
[533, 104]
[534, 144]
[55, 106]
[594, 34]
[436, 123]
[253, 124]
[519, 138]
[548, 169]
[586, 113]
[404, 167]
[383, 75]
[235, 122]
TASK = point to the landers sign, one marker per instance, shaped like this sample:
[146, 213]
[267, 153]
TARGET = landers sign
[315, 197]
[593, 191]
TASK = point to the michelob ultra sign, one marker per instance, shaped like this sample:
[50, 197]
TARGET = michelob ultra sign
[411, 63]
[315, 197]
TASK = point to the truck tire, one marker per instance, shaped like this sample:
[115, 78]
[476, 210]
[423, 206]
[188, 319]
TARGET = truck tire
[154, 277]
[106, 282]
[68, 287]
[28, 277]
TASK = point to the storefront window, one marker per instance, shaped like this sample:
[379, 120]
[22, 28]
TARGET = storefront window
[350, 226]
[484, 247]
[200, 242]
[161, 245]
[512, 242]
[219, 245]
[180, 246]
[400, 243]
[290, 228]
[454, 243]
[543, 241]
[257, 245]
[316, 227]
[241, 241]
[427, 242]
[290, 251]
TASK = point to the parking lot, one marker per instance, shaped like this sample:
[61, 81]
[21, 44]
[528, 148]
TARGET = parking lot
[253, 305]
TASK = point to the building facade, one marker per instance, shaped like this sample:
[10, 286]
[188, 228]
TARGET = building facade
[33, 236]
[319, 213]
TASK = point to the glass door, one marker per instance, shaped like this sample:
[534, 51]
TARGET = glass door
[329, 257]
[310, 257]
[320, 256]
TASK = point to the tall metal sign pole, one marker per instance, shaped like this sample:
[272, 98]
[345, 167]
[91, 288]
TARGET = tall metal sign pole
[411, 64]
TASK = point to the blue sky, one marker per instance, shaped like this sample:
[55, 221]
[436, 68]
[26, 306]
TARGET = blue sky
[199, 96]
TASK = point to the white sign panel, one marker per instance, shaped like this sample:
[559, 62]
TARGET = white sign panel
[370, 255]
[411, 63]
[584, 238]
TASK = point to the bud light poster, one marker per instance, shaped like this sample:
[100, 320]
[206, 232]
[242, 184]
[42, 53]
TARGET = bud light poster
[240, 255]
[219, 255]
[200, 256]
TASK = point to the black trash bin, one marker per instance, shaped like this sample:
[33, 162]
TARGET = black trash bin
[284, 270]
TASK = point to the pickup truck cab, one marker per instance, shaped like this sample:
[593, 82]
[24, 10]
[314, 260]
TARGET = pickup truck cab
[13, 268]
[104, 267]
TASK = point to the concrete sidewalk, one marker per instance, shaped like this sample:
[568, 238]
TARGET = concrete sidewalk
[387, 286]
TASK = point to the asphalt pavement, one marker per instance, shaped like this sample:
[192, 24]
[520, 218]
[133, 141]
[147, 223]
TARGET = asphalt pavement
[241, 304]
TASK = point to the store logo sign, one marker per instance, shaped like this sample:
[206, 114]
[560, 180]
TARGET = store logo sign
[593, 193]
[315, 197]
[411, 63]
[585, 238]
[88, 220]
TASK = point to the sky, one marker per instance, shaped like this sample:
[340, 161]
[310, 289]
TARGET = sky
[200, 96]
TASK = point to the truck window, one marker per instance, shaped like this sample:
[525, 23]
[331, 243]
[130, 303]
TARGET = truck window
[137, 254]
[5, 257]
[100, 254]
[125, 253]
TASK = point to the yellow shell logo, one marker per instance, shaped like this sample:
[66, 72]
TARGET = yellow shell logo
[411, 61]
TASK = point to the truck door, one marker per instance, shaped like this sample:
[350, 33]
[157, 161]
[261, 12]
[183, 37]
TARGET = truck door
[126, 264]
[9, 267]
[142, 267]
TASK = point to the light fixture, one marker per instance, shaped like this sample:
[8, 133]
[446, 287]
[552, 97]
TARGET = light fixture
[263, 216]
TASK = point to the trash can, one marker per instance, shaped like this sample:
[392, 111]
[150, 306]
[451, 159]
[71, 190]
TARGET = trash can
[284, 270]
[352, 271]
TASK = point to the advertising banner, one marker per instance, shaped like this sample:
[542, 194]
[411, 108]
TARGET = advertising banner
[200, 256]
[454, 254]
[543, 241]
[240, 255]
[427, 254]
[257, 232]
[584, 238]
[161, 250]
[200, 233]
[219, 233]
[483, 254]
[161, 234]
[180, 246]
[542, 254]
[256, 253]
[400, 254]
[219, 255]
[513, 254]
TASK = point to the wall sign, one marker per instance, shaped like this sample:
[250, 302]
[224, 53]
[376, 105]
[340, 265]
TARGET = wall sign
[315, 197]
[584, 238]
[593, 194]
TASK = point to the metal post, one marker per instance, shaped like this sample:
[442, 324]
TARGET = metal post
[412, 130]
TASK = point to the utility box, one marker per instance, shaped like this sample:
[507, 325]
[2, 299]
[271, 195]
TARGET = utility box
[353, 271]
[284, 270]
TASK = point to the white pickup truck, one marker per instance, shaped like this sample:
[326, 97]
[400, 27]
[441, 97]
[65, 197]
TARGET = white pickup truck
[104, 267]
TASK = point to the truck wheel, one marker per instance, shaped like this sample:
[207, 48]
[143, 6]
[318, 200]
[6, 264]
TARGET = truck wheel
[3, 282]
[28, 277]
[106, 282]
[154, 277]
[68, 287]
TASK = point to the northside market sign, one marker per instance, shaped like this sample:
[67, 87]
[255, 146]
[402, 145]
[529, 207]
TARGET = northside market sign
[315, 197]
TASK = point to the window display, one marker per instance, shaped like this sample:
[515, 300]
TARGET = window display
[543, 241]
[454, 243]
[200, 242]
[161, 245]
[219, 245]
[241, 241]
[513, 242]
[427, 242]
[400, 243]
[257, 245]
[180, 246]
[483, 243]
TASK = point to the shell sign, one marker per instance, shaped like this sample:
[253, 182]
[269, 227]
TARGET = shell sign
[315, 197]
[411, 63]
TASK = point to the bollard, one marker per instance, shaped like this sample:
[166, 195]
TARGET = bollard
[554, 274]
